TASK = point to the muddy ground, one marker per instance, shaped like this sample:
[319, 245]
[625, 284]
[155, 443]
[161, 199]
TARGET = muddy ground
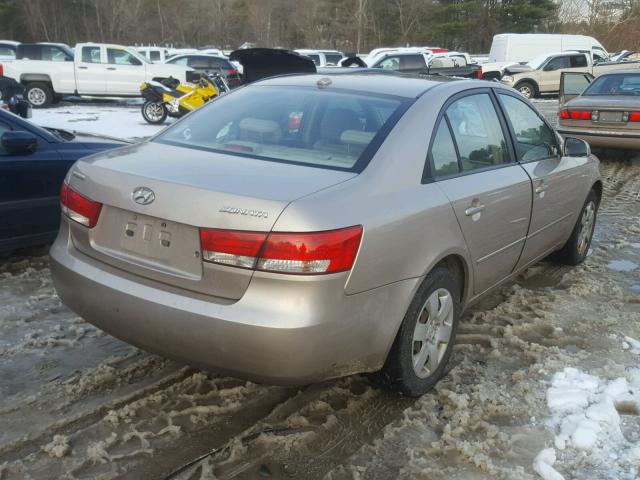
[76, 403]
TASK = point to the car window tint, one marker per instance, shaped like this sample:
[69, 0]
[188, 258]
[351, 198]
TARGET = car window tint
[477, 132]
[91, 54]
[331, 130]
[578, 61]
[412, 62]
[117, 56]
[154, 55]
[443, 152]
[557, 63]
[534, 139]
[315, 58]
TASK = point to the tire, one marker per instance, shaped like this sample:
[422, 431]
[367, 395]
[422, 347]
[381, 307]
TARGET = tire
[39, 94]
[577, 247]
[152, 114]
[526, 89]
[439, 292]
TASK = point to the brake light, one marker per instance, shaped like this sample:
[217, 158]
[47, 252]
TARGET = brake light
[575, 114]
[293, 253]
[634, 116]
[232, 71]
[1, 70]
[78, 207]
[580, 114]
[235, 248]
[479, 72]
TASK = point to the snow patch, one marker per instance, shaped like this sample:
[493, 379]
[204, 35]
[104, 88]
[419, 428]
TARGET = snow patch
[586, 415]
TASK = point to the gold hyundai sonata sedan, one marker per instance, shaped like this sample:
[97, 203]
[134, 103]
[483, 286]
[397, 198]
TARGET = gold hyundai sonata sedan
[307, 226]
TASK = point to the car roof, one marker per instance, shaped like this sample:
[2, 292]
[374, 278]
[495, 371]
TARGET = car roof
[409, 86]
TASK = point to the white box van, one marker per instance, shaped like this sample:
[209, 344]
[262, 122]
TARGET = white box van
[515, 47]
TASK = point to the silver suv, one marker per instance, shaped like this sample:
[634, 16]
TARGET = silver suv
[308, 227]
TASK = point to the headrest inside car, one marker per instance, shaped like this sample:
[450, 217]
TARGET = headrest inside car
[258, 125]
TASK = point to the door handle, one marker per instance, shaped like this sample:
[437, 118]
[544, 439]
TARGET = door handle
[83, 68]
[111, 68]
[541, 188]
[469, 212]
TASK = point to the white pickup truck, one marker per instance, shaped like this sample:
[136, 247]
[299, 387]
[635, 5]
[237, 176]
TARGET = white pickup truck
[96, 69]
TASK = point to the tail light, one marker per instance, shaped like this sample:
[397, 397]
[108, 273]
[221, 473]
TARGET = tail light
[79, 208]
[575, 114]
[293, 253]
[1, 70]
[232, 71]
[634, 116]
[479, 72]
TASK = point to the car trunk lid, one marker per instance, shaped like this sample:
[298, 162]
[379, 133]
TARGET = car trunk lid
[156, 197]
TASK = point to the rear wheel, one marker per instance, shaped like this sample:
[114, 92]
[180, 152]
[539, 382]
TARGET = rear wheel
[423, 345]
[575, 250]
[39, 94]
[527, 89]
[154, 113]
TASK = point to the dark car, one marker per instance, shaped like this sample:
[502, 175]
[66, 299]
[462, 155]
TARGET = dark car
[205, 64]
[33, 164]
[418, 63]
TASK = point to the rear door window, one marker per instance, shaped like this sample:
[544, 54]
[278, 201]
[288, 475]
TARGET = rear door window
[578, 61]
[412, 62]
[477, 132]
[534, 139]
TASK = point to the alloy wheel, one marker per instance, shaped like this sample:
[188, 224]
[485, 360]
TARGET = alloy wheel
[525, 90]
[432, 333]
[154, 111]
[587, 222]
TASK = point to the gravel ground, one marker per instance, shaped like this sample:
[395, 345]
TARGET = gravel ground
[76, 403]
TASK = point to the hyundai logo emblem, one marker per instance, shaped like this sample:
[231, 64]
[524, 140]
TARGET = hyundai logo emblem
[143, 195]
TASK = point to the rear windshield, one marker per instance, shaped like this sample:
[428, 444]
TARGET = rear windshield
[302, 125]
[616, 84]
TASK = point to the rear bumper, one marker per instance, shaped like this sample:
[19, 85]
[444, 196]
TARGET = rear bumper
[602, 138]
[292, 330]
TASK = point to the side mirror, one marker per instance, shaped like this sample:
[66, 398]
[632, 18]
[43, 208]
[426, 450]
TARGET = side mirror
[16, 142]
[575, 147]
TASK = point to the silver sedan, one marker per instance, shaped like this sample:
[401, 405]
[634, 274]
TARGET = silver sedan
[308, 227]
